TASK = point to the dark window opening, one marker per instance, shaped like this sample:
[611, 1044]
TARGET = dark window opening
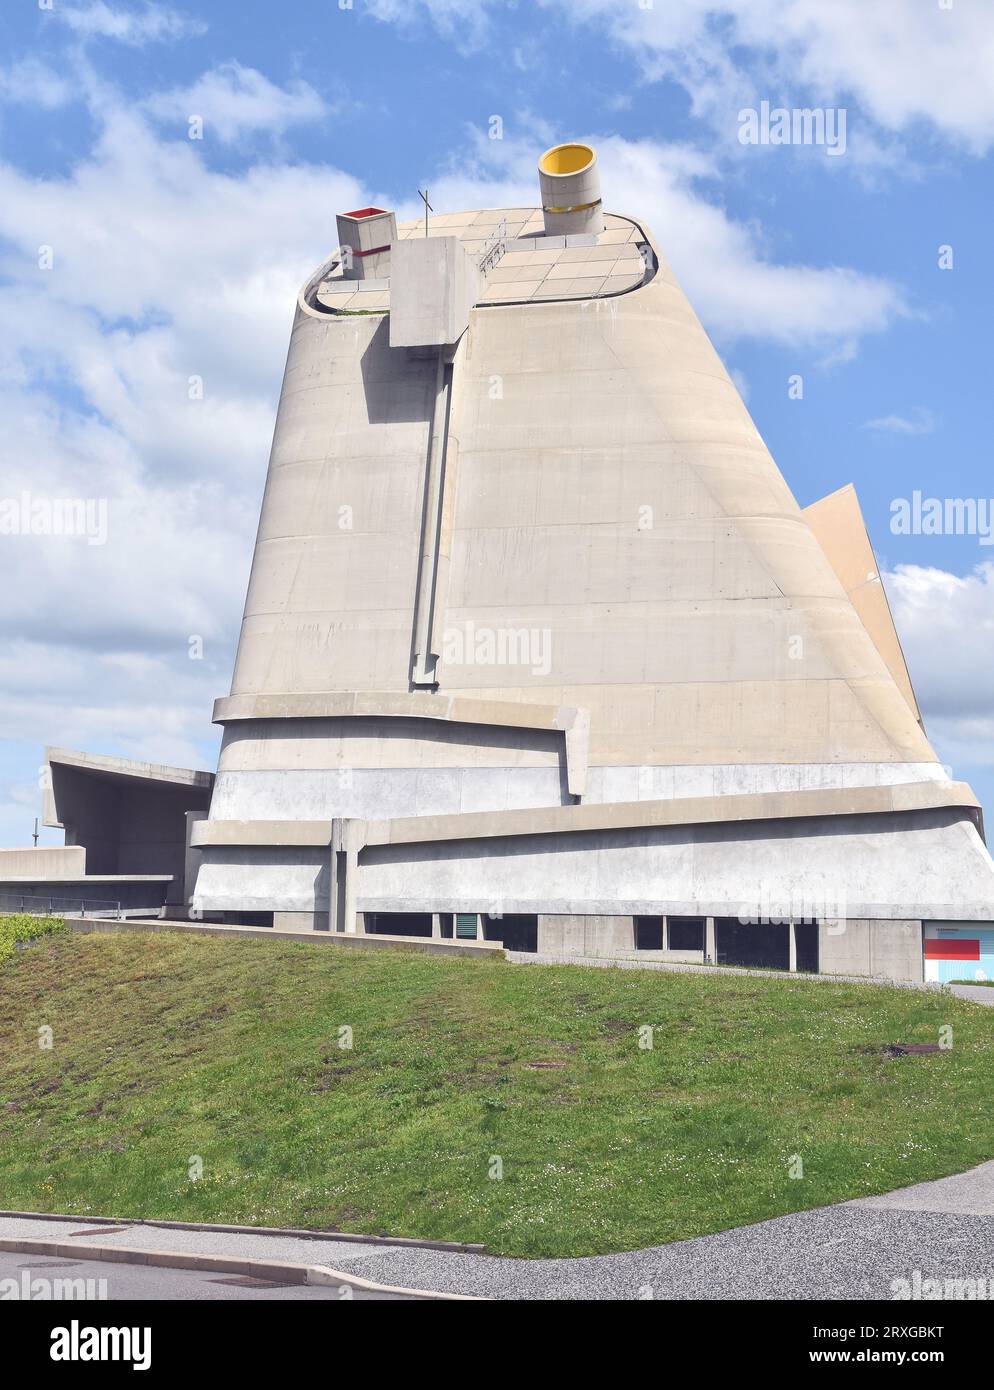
[686, 933]
[242, 919]
[806, 934]
[648, 933]
[764, 946]
[399, 923]
[516, 931]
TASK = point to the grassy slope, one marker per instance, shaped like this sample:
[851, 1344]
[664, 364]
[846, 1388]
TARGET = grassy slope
[166, 1047]
[20, 927]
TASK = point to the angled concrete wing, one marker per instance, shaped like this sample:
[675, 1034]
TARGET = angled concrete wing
[838, 524]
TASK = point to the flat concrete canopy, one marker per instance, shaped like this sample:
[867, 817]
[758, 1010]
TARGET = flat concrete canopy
[107, 767]
[127, 815]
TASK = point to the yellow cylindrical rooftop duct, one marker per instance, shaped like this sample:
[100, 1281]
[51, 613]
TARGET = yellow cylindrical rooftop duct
[571, 190]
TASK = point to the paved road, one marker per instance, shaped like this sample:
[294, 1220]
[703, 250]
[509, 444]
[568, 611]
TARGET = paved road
[977, 994]
[856, 1250]
[154, 1285]
[852, 1251]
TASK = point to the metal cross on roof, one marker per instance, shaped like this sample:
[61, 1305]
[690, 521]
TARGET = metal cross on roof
[428, 207]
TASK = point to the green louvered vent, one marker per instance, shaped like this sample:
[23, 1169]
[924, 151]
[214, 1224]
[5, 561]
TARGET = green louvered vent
[466, 925]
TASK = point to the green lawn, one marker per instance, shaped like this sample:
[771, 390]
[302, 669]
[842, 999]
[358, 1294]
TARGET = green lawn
[166, 1048]
[19, 929]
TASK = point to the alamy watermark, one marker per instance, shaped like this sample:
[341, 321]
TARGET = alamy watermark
[805, 909]
[921, 1288]
[30, 515]
[778, 125]
[471, 645]
[80, 1342]
[943, 516]
[36, 1288]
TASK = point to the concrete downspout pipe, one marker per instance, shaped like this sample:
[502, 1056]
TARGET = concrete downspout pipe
[571, 190]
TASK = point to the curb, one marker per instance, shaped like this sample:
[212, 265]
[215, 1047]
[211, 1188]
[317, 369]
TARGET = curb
[283, 1271]
[345, 1237]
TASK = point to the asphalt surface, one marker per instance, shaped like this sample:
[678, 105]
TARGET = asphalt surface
[977, 994]
[942, 1230]
[149, 1284]
[845, 1252]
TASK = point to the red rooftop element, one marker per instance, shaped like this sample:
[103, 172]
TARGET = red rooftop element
[366, 212]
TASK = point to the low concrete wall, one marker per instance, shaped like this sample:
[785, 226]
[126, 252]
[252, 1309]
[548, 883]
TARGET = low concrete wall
[595, 935]
[301, 921]
[43, 862]
[360, 940]
[878, 949]
[882, 949]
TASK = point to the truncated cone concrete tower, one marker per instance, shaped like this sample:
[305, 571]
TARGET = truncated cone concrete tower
[538, 645]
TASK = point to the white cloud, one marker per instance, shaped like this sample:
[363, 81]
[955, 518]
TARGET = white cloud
[232, 100]
[901, 61]
[466, 21]
[163, 270]
[150, 24]
[32, 83]
[920, 421]
[737, 290]
[946, 625]
[93, 700]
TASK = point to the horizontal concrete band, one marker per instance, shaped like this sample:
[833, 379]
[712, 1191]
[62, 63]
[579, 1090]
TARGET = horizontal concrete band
[757, 806]
[750, 914]
[577, 207]
[283, 791]
[84, 880]
[342, 704]
[571, 721]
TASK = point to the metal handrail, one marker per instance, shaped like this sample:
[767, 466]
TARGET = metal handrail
[34, 906]
[494, 249]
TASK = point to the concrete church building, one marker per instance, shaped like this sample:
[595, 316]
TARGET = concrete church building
[539, 647]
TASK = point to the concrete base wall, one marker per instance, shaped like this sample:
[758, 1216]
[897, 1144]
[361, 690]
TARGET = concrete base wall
[875, 876]
[300, 921]
[886, 950]
[878, 949]
[596, 935]
[900, 866]
[264, 879]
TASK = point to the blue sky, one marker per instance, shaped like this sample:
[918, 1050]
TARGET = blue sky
[174, 258]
